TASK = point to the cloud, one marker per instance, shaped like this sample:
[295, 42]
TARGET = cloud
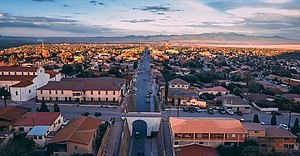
[276, 1]
[65, 5]
[138, 21]
[250, 12]
[158, 9]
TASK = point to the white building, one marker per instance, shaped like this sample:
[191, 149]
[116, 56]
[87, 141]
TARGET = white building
[22, 82]
[108, 90]
[39, 134]
[178, 84]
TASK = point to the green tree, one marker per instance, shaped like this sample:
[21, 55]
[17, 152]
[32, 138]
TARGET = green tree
[295, 128]
[256, 119]
[85, 114]
[43, 108]
[273, 120]
[18, 146]
[97, 114]
[56, 108]
[67, 69]
[78, 68]
[5, 94]
[166, 92]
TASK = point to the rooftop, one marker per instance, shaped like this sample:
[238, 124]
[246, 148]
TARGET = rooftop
[38, 130]
[178, 81]
[18, 69]
[195, 150]
[11, 114]
[251, 126]
[37, 119]
[278, 132]
[206, 125]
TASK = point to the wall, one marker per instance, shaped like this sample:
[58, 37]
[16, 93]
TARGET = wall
[125, 140]
[104, 143]
[23, 93]
[265, 109]
[160, 141]
[152, 123]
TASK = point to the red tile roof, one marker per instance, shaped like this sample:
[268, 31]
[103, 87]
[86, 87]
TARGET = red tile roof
[214, 89]
[178, 81]
[79, 130]
[17, 77]
[11, 114]
[18, 69]
[22, 84]
[206, 125]
[37, 119]
[195, 150]
[52, 73]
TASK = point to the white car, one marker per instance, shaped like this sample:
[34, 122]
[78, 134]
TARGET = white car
[229, 111]
[284, 126]
[262, 123]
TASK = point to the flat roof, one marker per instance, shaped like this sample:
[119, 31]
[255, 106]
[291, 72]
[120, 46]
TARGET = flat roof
[38, 130]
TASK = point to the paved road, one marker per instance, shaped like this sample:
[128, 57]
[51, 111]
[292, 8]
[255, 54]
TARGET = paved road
[138, 143]
[115, 139]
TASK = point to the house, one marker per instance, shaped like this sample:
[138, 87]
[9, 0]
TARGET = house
[272, 137]
[178, 84]
[292, 97]
[213, 90]
[22, 82]
[261, 101]
[76, 137]
[39, 134]
[209, 132]
[31, 119]
[108, 90]
[9, 115]
[235, 103]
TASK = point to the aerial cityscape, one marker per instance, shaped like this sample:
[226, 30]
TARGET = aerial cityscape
[149, 78]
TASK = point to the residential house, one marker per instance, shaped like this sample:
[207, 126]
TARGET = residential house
[22, 82]
[209, 132]
[178, 84]
[292, 97]
[213, 90]
[235, 103]
[39, 134]
[76, 137]
[9, 115]
[52, 119]
[195, 150]
[108, 90]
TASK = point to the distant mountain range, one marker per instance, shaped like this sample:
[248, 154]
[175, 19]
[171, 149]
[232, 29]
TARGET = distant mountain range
[205, 38]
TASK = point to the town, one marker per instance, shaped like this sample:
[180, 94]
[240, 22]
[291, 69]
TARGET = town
[149, 99]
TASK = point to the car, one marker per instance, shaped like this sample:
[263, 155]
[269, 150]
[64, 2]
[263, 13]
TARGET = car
[242, 120]
[141, 153]
[275, 113]
[148, 95]
[210, 111]
[262, 123]
[198, 109]
[284, 126]
[137, 135]
[192, 109]
[148, 100]
[185, 109]
[229, 111]
[222, 111]
[150, 91]
[144, 79]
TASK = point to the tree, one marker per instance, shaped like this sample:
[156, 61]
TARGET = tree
[78, 68]
[85, 114]
[56, 108]
[295, 128]
[273, 120]
[67, 69]
[173, 101]
[166, 92]
[18, 146]
[135, 65]
[97, 114]
[43, 108]
[256, 119]
[5, 94]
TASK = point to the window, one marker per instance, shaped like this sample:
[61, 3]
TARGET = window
[99, 99]
[40, 137]
[256, 132]
[201, 143]
[49, 91]
[99, 92]
[75, 147]
[285, 139]
[173, 86]
[21, 129]
[176, 143]
[106, 99]
[62, 92]
[106, 92]
[91, 92]
[66, 98]
[50, 98]
[56, 92]
[41, 91]
[247, 107]
[35, 137]
[229, 107]
[43, 98]
[114, 99]
[56, 98]
[16, 92]
[92, 99]
[114, 92]
[70, 99]
[29, 91]
[233, 135]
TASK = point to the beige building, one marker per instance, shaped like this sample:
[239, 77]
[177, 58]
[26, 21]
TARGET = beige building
[77, 136]
[108, 90]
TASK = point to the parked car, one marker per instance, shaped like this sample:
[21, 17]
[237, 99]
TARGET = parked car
[242, 120]
[148, 95]
[284, 126]
[192, 109]
[229, 111]
[262, 123]
[198, 109]
[148, 100]
[150, 91]
[222, 111]
[136, 135]
[185, 109]
[240, 113]
[141, 153]
[210, 111]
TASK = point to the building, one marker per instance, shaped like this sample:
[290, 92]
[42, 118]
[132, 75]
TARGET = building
[9, 115]
[209, 132]
[213, 90]
[22, 82]
[188, 97]
[39, 134]
[108, 90]
[235, 103]
[195, 150]
[76, 137]
[53, 120]
[178, 84]
[272, 137]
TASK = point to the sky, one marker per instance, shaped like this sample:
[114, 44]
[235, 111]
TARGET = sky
[81, 18]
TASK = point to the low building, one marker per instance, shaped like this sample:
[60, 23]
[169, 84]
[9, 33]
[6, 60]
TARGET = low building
[10, 115]
[213, 90]
[22, 82]
[76, 137]
[31, 119]
[195, 150]
[235, 103]
[272, 137]
[178, 84]
[39, 134]
[292, 97]
[108, 90]
[209, 132]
